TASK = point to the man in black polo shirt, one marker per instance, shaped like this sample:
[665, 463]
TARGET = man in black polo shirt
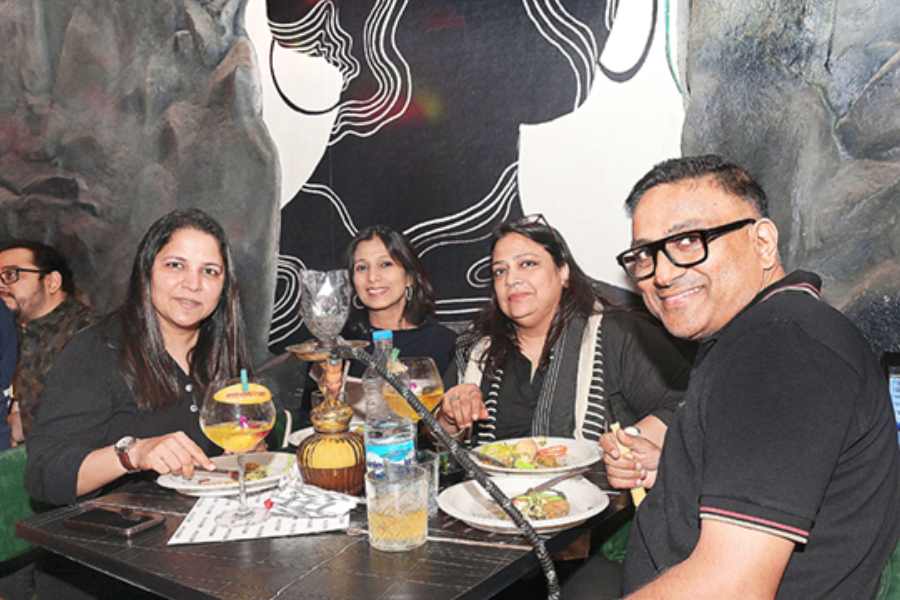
[780, 475]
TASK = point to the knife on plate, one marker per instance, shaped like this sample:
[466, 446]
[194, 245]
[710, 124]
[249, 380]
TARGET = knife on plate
[551, 482]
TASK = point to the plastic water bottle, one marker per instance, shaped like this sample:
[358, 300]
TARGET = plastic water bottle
[383, 345]
[388, 437]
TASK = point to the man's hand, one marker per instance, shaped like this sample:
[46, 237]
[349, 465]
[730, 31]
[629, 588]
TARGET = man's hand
[462, 406]
[637, 467]
[174, 453]
[14, 420]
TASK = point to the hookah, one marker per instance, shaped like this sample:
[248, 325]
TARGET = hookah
[325, 305]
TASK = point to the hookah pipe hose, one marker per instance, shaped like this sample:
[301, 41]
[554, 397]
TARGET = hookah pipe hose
[463, 458]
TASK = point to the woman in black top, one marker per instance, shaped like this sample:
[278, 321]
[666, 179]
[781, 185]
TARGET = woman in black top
[124, 394]
[392, 292]
[547, 356]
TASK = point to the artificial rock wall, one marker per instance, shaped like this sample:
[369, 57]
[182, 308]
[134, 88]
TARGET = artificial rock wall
[806, 94]
[114, 112]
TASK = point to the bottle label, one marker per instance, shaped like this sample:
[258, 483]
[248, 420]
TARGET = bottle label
[402, 452]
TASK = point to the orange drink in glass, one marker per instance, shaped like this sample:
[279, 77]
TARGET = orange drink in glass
[421, 375]
[236, 418]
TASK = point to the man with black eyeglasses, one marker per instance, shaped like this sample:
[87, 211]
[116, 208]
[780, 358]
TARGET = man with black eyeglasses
[779, 476]
[37, 285]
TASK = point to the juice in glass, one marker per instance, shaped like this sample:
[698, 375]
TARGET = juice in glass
[236, 417]
[429, 395]
[238, 436]
[397, 507]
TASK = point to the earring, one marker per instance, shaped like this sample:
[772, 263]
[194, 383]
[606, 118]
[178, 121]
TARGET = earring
[357, 303]
[408, 293]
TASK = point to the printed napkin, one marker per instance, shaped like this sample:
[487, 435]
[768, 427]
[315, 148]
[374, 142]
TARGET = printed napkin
[297, 499]
[294, 509]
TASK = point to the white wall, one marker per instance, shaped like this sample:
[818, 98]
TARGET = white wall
[591, 157]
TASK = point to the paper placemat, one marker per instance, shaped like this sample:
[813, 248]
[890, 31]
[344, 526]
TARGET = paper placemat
[199, 525]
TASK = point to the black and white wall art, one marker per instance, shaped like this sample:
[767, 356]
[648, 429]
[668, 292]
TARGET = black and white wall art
[428, 116]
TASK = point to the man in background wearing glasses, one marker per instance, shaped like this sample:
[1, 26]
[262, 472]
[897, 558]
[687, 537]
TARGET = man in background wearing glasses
[37, 285]
[779, 476]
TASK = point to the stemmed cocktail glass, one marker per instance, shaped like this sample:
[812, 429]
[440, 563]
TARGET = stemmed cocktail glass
[237, 416]
[421, 374]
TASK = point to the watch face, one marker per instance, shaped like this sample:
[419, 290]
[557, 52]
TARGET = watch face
[124, 443]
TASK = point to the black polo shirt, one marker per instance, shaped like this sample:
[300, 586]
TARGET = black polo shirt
[787, 429]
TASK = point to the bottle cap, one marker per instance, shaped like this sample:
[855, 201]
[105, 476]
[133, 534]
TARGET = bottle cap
[381, 335]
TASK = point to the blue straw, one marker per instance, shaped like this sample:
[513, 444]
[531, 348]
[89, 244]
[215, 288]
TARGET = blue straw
[245, 383]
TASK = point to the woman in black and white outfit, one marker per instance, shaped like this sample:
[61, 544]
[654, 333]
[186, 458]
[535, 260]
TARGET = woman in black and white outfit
[549, 357]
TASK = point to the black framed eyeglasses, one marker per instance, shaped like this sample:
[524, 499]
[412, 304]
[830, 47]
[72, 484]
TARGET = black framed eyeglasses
[684, 249]
[11, 275]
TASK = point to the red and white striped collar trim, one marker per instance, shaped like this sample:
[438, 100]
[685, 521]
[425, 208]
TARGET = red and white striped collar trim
[806, 288]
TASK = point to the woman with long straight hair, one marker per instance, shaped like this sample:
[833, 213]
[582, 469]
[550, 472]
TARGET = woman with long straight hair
[547, 355]
[124, 396]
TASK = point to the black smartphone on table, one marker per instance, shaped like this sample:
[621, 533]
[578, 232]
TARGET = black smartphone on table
[125, 523]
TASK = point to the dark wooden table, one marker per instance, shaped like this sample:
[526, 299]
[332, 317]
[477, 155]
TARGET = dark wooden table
[456, 562]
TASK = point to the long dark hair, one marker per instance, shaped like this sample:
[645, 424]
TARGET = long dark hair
[578, 297]
[220, 352]
[421, 305]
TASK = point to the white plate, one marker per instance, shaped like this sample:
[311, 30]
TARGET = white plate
[220, 484]
[579, 453]
[469, 503]
[297, 437]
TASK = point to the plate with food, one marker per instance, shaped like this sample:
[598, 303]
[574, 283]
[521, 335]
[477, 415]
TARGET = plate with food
[262, 471]
[536, 455]
[564, 505]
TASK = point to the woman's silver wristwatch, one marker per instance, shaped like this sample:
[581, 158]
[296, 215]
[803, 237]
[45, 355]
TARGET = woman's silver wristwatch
[122, 447]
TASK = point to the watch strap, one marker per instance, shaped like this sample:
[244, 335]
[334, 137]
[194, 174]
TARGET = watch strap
[122, 453]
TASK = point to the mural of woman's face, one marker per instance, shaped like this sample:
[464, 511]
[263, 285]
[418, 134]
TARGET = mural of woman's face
[186, 281]
[527, 282]
[422, 132]
[379, 280]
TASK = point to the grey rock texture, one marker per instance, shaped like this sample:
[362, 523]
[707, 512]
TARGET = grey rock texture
[805, 94]
[114, 112]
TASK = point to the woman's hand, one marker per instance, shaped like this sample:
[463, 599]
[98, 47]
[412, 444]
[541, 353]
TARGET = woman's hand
[637, 467]
[462, 406]
[173, 453]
